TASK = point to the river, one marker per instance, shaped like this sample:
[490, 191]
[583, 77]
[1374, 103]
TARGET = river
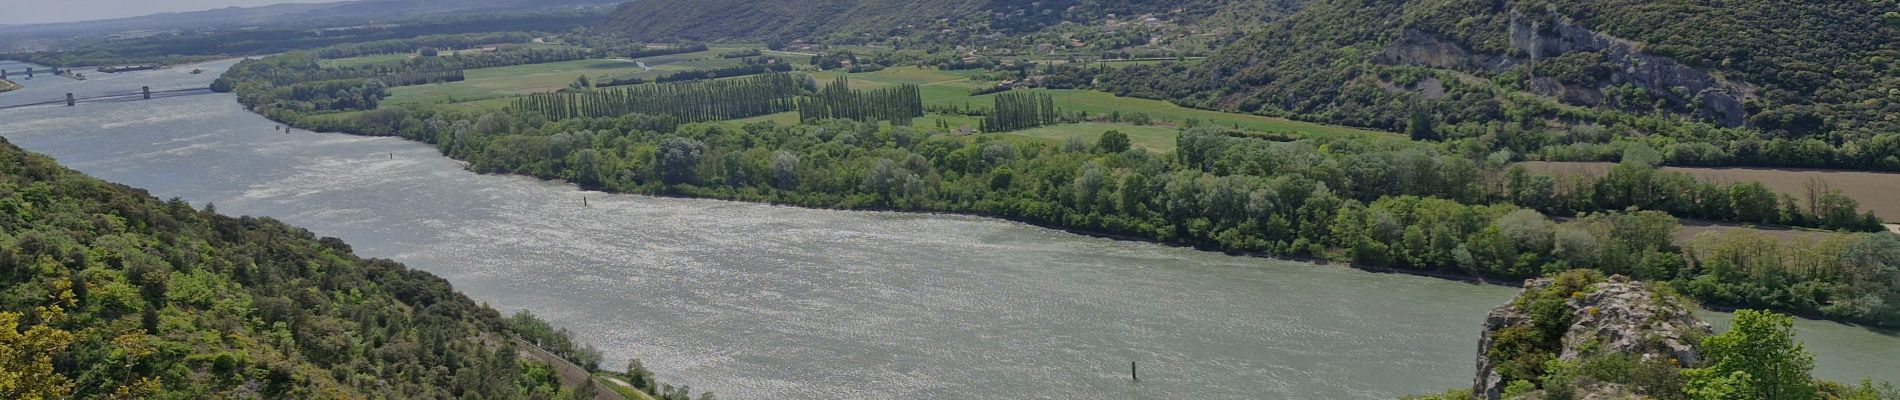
[757, 301]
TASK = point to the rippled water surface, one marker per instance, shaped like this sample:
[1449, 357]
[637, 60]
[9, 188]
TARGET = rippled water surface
[756, 301]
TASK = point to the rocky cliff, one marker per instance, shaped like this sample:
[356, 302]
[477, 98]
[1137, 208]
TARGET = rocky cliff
[1578, 318]
[1622, 62]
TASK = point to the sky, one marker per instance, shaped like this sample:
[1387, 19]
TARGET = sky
[13, 12]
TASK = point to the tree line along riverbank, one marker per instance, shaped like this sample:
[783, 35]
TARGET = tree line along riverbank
[1409, 206]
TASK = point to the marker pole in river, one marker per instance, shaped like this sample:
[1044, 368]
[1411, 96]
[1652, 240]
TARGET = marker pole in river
[1133, 373]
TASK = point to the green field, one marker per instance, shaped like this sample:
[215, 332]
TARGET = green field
[365, 60]
[492, 88]
[1102, 103]
[489, 83]
[953, 87]
[499, 82]
[936, 86]
[784, 118]
[1153, 138]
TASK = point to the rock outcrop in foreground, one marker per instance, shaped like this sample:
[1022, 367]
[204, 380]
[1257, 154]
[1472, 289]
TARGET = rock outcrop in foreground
[1578, 319]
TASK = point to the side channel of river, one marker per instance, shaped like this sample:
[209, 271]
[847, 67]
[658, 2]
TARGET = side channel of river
[759, 301]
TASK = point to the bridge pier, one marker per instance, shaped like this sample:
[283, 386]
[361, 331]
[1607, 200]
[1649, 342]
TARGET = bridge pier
[147, 90]
[69, 100]
[29, 72]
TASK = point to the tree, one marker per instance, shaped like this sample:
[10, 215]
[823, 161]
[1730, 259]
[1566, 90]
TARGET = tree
[1112, 142]
[785, 170]
[1088, 186]
[26, 356]
[1421, 126]
[1753, 202]
[1074, 144]
[678, 159]
[1528, 229]
[1761, 348]
[430, 52]
[640, 377]
[587, 167]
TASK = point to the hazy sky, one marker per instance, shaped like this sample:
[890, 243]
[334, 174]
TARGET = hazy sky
[40, 11]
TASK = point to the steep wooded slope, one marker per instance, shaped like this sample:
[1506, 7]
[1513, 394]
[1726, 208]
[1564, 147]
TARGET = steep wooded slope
[1797, 68]
[785, 20]
[107, 292]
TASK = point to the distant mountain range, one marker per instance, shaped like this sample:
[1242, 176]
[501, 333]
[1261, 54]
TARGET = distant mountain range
[42, 36]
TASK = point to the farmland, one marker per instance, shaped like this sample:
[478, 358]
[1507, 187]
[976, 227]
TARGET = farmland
[490, 88]
[1156, 139]
[942, 88]
[493, 83]
[1876, 191]
[366, 60]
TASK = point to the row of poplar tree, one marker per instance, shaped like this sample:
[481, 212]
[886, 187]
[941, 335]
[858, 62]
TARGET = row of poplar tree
[689, 102]
[734, 98]
[1021, 110]
[898, 104]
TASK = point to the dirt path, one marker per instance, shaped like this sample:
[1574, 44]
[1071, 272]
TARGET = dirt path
[571, 375]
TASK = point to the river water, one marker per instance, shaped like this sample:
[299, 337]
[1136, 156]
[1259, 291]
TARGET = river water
[756, 301]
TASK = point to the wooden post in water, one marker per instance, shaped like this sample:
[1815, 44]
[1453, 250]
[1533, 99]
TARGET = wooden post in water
[147, 90]
[69, 100]
[1133, 373]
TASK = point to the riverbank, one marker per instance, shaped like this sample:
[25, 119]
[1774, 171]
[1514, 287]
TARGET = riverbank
[1449, 276]
[1337, 235]
[8, 86]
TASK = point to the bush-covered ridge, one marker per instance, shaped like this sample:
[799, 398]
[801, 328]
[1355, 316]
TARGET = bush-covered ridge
[782, 21]
[106, 292]
[1773, 83]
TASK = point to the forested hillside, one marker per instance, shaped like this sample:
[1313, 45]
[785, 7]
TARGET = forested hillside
[746, 19]
[1802, 83]
[833, 20]
[107, 292]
